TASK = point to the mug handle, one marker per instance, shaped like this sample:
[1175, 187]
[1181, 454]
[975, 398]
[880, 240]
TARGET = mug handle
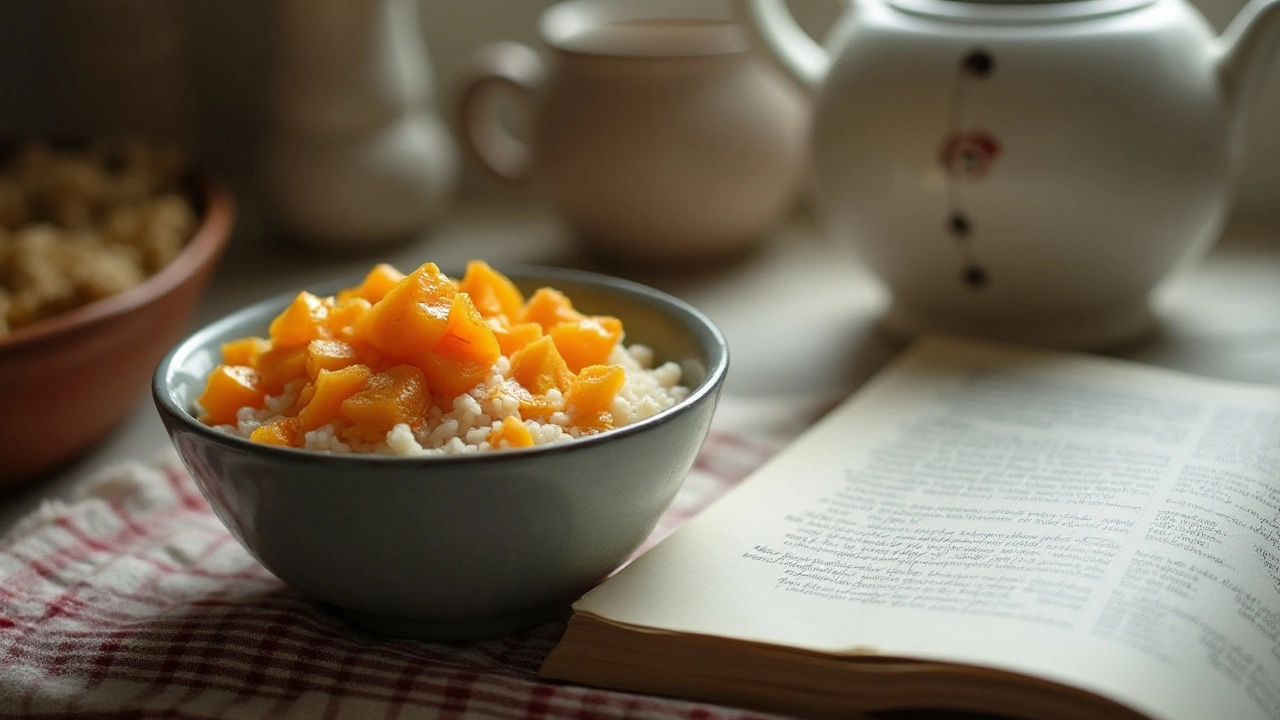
[503, 66]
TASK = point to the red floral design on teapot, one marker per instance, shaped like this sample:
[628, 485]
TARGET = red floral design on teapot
[968, 155]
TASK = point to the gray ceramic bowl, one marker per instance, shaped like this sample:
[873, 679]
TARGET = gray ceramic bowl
[454, 547]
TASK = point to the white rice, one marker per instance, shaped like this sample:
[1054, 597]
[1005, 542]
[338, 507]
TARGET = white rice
[479, 411]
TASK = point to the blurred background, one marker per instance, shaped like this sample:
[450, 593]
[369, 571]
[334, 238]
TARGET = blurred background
[213, 89]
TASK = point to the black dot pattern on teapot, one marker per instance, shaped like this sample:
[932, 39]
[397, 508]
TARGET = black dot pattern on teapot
[978, 63]
[968, 155]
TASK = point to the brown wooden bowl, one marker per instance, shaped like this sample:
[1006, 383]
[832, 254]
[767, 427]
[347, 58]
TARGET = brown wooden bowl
[66, 381]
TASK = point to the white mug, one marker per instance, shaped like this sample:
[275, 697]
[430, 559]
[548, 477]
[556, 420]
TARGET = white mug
[658, 133]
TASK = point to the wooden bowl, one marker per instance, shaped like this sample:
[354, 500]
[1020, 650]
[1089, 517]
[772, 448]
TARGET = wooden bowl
[66, 381]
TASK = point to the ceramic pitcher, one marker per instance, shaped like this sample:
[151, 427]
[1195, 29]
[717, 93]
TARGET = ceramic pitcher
[356, 153]
[1026, 171]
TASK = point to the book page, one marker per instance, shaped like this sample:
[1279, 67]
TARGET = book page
[1094, 522]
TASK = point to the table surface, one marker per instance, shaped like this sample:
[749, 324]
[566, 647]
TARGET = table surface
[800, 315]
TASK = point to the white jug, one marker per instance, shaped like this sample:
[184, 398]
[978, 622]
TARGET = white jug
[356, 155]
[1026, 171]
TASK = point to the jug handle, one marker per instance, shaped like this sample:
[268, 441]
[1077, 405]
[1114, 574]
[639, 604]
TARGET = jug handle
[799, 54]
[497, 67]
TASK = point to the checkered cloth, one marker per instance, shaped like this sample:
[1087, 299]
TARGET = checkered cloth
[132, 600]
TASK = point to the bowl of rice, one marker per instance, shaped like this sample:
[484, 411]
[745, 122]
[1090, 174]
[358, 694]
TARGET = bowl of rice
[480, 508]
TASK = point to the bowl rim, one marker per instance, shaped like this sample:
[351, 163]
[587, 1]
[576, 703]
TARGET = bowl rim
[717, 370]
[204, 247]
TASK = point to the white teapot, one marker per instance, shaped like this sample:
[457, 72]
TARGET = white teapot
[1026, 171]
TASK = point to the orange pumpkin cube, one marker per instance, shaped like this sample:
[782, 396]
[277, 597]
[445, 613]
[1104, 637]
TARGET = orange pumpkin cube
[301, 322]
[281, 366]
[329, 355]
[548, 307]
[492, 292]
[463, 355]
[307, 392]
[375, 285]
[332, 388]
[538, 367]
[513, 337]
[283, 432]
[515, 433]
[244, 351]
[534, 407]
[396, 395]
[342, 319]
[406, 324]
[229, 388]
[588, 341]
[591, 396]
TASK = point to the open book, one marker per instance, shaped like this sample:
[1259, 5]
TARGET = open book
[984, 529]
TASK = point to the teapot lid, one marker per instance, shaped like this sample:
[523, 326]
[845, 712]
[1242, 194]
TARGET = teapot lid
[1017, 11]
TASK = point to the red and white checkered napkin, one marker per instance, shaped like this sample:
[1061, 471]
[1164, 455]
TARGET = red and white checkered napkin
[133, 601]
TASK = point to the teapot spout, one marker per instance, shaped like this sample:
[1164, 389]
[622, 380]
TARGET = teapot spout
[1247, 49]
[798, 54]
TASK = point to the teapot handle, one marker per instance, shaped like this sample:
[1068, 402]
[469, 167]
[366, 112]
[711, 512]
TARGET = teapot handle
[499, 66]
[1247, 50]
[798, 53]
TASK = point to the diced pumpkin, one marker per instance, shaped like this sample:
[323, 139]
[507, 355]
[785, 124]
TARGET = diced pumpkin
[332, 388]
[329, 355]
[515, 433]
[532, 407]
[281, 366]
[375, 285]
[301, 322]
[588, 341]
[590, 397]
[538, 367]
[548, 307]
[375, 355]
[407, 323]
[513, 337]
[535, 369]
[396, 395]
[342, 319]
[307, 392]
[492, 292]
[229, 388]
[463, 355]
[283, 432]
[244, 351]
